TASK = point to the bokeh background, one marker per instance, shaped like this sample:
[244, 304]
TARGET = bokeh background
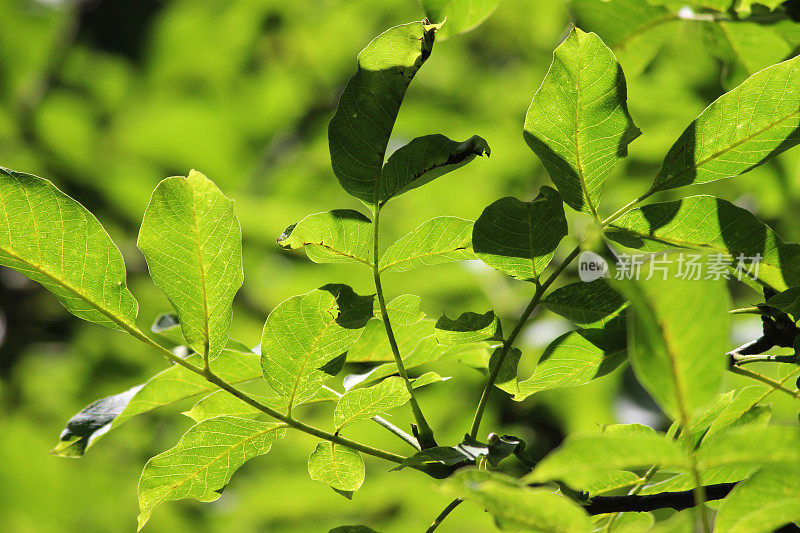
[107, 97]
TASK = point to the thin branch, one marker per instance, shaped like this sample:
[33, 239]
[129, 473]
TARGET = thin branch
[447, 510]
[509, 342]
[664, 500]
[625, 208]
[776, 385]
[424, 431]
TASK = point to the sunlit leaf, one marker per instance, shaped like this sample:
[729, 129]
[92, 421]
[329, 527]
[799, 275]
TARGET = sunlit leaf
[578, 122]
[766, 501]
[677, 336]
[423, 160]
[576, 461]
[436, 241]
[55, 241]
[223, 403]
[516, 506]
[304, 333]
[203, 460]
[373, 345]
[359, 131]
[787, 301]
[740, 130]
[751, 446]
[576, 358]
[193, 245]
[338, 236]
[459, 16]
[745, 7]
[588, 305]
[362, 404]
[714, 225]
[403, 310]
[507, 374]
[468, 327]
[520, 238]
[336, 465]
[165, 388]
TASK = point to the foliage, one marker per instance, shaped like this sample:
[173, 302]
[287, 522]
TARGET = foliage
[348, 346]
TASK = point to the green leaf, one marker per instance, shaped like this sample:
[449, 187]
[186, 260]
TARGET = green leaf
[520, 238]
[588, 305]
[165, 388]
[193, 245]
[458, 16]
[363, 404]
[745, 7]
[223, 403]
[578, 122]
[740, 130]
[577, 358]
[634, 29]
[304, 333]
[787, 301]
[677, 336]
[338, 236]
[516, 506]
[766, 501]
[336, 465]
[507, 375]
[203, 460]
[403, 310]
[613, 481]
[715, 225]
[468, 327]
[55, 241]
[436, 241]
[576, 461]
[373, 345]
[743, 406]
[751, 446]
[359, 130]
[423, 160]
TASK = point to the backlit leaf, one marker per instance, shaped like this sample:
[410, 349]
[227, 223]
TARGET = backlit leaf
[338, 236]
[336, 465]
[362, 404]
[436, 241]
[459, 16]
[763, 503]
[468, 327]
[403, 310]
[587, 305]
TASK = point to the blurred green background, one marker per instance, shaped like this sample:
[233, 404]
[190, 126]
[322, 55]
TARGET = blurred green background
[107, 97]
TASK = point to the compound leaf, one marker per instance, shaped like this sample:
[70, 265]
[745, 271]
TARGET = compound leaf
[203, 461]
[677, 337]
[715, 225]
[362, 404]
[53, 240]
[193, 245]
[338, 236]
[578, 122]
[306, 332]
[436, 241]
[520, 238]
[359, 130]
[336, 465]
[739, 131]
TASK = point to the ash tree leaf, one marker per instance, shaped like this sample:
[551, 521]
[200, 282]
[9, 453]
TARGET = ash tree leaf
[458, 16]
[751, 447]
[203, 461]
[739, 131]
[576, 461]
[507, 375]
[764, 502]
[304, 333]
[744, 404]
[404, 310]
[336, 465]
[373, 345]
[588, 305]
[515, 506]
[436, 241]
[787, 301]
[578, 122]
[576, 358]
[359, 130]
[53, 240]
[423, 160]
[634, 29]
[678, 334]
[468, 327]
[520, 238]
[192, 241]
[165, 388]
[715, 225]
[363, 404]
[338, 236]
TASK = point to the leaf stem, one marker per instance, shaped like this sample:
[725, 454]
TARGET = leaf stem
[424, 431]
[296, 424]
[746, 311]
[776, 385]
[447, 510]
[625, 208]
[508, 343]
